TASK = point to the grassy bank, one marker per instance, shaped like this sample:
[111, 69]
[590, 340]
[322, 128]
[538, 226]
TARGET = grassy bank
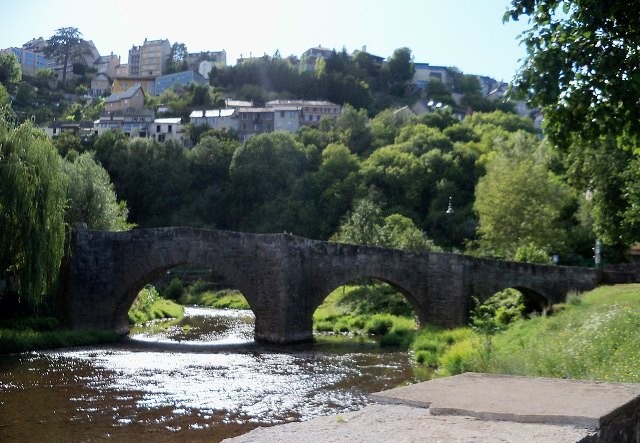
[31, 334]
[595, 336]
[223, 299]
[375, 309]
[150, 306]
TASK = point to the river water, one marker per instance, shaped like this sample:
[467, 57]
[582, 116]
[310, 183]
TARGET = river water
[201, 380]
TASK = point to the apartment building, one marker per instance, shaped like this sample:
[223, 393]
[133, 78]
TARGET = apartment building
[30, 61]
[150, 59]
[310, 57]
[167, 129]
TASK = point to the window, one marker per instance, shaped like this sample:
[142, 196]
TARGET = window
[244, 116]
[289, 126]
[157, 129]
[170, 129]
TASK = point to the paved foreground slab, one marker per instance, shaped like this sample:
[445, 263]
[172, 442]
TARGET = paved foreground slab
[520, 399]
[479, 408]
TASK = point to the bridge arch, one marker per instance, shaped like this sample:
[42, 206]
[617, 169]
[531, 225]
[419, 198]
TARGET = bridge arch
[157, 266]
[329, 288]
[534, 299]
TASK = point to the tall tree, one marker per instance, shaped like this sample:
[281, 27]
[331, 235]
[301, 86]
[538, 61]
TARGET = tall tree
[518, 201]
[66, 46]
[10, 72]
[583, 69]
[177, 58]
[400, 68]
[32, 209]
[92, 198]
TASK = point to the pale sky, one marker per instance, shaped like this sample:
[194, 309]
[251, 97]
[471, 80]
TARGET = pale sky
[467, 34]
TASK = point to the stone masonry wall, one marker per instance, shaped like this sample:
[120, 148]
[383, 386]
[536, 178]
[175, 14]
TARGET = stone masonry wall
[285, 278]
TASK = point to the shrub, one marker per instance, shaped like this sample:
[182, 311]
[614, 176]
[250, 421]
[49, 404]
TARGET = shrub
[174, 290]
[457, 359]
[379, 324]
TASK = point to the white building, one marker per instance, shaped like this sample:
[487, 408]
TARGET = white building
[165, 129]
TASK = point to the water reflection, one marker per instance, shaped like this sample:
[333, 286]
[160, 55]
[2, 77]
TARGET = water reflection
[206, 386]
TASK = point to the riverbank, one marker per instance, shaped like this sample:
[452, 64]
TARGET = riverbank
[33, 334]
[594, 336]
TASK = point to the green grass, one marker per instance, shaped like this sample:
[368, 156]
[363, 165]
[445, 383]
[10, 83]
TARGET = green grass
[150, 306]
[41, 333]
[224, 299]
[595, 336]
[374, 310]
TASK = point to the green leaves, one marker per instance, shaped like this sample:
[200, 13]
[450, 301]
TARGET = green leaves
[582, 68]
[32, 208]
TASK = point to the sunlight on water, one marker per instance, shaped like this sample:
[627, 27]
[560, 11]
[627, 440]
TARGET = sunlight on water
[201, 380]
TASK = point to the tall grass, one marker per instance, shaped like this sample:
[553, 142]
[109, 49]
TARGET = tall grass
[595, 336]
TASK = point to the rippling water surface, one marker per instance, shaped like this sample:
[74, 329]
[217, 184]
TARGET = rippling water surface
[202, 380]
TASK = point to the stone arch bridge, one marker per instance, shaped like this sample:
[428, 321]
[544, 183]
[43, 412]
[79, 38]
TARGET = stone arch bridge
[285, 278]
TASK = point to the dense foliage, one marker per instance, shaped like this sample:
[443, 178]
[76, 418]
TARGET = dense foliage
[41, 195]
[386, 181]
[32, 210]
[583, 70]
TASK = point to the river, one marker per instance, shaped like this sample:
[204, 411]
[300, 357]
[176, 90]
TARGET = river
[204, 379]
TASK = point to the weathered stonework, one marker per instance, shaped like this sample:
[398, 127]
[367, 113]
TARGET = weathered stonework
[285, 278]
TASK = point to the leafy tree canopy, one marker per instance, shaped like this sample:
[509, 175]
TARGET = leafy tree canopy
[583, 65]
[583, 69]
[32, 208]
[66, 46]
[92, 198]
[10, 72]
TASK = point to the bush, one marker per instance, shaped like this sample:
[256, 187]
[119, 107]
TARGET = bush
[174, 290]
[430, 344]
[379, 324]
[457, 358]
[498, 311]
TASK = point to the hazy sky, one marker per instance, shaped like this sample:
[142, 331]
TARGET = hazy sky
[468, 34]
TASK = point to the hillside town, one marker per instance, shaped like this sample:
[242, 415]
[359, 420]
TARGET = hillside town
[125, 92]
